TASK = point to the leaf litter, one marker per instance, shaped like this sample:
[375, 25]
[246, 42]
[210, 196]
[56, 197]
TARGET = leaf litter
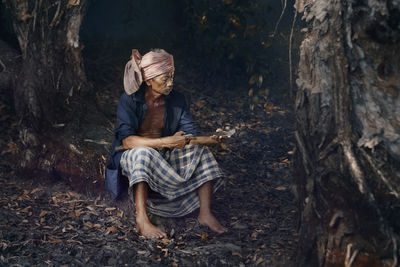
[47, 222]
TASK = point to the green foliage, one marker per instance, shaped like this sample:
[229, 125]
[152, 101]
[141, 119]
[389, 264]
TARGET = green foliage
[229, 38]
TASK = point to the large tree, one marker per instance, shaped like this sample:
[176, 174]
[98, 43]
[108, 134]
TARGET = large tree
[347, 168]
[52, 97]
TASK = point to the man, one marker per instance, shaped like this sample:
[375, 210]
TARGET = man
[170, 173]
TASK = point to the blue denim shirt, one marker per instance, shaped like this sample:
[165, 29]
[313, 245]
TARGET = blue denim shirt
[130, 113]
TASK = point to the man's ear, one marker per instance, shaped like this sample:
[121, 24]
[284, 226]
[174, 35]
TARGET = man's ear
[147, 82]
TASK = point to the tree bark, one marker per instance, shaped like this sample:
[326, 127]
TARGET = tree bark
[52, 96]
[347, 171]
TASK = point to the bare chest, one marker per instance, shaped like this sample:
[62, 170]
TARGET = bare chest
[153, 122]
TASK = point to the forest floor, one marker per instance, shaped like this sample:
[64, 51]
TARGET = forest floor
[48, 223]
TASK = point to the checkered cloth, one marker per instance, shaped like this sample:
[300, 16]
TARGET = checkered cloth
[173, 176]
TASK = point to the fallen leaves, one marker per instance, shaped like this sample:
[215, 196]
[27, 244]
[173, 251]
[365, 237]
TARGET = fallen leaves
[11, 148]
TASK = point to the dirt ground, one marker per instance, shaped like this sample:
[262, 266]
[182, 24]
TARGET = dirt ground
[46, 222]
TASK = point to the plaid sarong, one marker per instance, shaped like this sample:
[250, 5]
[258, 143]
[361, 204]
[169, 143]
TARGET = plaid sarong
[173, 174]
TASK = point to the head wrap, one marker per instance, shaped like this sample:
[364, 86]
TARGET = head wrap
[140, 69]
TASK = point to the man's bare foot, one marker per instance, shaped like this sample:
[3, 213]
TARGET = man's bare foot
[147, 229]
[209, 220]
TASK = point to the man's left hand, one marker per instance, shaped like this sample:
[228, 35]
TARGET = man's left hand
[219, 138]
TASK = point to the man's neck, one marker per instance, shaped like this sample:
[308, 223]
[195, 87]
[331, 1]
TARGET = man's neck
[153, 97]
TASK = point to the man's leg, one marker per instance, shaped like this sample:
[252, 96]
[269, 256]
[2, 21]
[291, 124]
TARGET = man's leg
[145, 227]
[205, 216]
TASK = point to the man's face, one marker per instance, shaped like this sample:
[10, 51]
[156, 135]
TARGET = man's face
[162, 84]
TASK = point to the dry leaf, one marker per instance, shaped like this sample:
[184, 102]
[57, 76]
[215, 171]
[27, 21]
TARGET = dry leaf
[253, 79]
[265, 44]
[254, 235]
[26, 210]
[236, 254]
[204, 236]
[259, 261]
[110, 209]
[165, 250]
[112, 228]
[281, 188]
[12, 148]
[164, 241]
[73, 3]
[88, 224]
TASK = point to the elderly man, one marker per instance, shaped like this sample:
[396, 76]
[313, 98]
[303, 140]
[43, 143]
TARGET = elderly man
[170, 173]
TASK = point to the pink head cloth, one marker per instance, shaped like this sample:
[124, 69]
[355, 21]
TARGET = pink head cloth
[140, 69]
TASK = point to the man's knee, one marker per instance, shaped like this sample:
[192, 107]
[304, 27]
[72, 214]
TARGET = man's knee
[144, 151]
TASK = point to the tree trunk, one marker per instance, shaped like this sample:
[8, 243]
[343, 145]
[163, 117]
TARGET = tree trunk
[347, 171]
[51, 92]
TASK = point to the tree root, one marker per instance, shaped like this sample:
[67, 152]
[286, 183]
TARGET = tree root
[380, 174]
[303, 151]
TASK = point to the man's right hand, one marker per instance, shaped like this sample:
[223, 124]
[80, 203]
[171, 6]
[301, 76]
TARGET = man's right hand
[176, 141]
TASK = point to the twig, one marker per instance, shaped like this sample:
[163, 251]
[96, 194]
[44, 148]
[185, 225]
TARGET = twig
[350, 257]
[35, 15]
[55, 15]
[394, 251]
[279, 20]
[4, 66]
[290, 52]
[335, 217]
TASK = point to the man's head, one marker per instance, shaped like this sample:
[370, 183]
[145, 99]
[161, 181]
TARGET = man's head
[155, 67]
[162, 84]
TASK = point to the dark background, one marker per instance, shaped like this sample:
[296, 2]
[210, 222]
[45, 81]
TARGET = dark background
[226, 43]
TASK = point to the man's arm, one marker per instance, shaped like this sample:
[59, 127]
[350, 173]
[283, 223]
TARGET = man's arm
[178, 140]
[207, 140]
